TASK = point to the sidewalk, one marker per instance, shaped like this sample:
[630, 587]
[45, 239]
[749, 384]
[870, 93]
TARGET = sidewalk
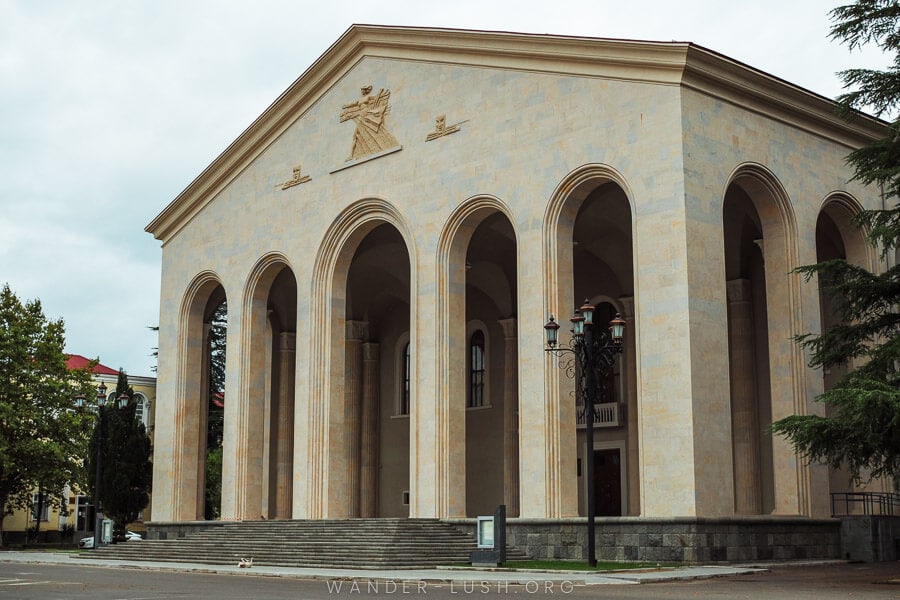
[447, 575]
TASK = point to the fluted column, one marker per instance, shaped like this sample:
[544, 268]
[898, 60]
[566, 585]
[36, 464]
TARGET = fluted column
[745, 426]
[285, 426]
[267, 435]
[368, 487]
[632, 414]
[357, 331]
[510, 417]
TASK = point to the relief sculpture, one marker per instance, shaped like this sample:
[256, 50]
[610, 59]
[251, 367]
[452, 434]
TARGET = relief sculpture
[369, 112]
[441, 128]
[297, 179]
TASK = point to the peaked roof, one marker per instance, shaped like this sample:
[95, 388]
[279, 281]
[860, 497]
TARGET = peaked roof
[76, 361]
[673, 63]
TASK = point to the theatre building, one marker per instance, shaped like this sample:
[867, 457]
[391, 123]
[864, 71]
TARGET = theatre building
[392, 233]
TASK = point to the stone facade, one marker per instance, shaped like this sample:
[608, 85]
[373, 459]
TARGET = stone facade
[870, 538]
[680, 541]
[392, 233]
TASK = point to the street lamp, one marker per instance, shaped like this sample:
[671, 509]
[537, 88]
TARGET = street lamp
[122, 402]
[594, 351]
[101, 402]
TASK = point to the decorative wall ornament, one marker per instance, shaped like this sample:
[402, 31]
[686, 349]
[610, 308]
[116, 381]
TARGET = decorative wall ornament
[441, 128]
[297, 179]
[369, 113]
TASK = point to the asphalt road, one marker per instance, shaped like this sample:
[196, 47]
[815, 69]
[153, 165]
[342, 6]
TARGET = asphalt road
[62, 582]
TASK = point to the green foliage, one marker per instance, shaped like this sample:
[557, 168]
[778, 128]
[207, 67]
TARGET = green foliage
[878, 91]
[41, 435]
[862, 435]
[213, 483]
[864, 303]
[215, 421]
[122, 387]
[126, 469]
[862, 428]
[217, 336]
[862, 23]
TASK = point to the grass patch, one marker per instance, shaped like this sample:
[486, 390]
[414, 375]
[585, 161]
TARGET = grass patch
[571, 565]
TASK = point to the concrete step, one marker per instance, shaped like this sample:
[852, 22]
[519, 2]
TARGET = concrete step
[350, 543]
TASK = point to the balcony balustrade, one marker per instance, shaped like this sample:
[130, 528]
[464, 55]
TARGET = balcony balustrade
[605, 415]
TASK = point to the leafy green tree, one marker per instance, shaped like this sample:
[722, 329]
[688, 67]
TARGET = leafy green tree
[217, 334]
[215, 421]
[122, 387]
[862, 432]
[126, 469]
[213, 495]
[42, 436]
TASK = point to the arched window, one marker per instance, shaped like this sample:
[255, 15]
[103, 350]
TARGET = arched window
[140, 408]
[404, 384]
[476, 369]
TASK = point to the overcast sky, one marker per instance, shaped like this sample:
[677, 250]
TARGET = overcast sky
[110, 108]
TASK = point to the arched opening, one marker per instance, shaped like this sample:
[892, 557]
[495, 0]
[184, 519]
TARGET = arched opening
[377, 376]
[195, 490]
[602, 272]
[359, 327]
[259, 414]
[751, 406]
[216, 329]
[837, 237]
[278, 429]
[491, 378]
[763, 298]
[142, 410]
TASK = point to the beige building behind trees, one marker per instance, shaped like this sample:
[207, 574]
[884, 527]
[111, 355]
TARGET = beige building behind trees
[393, 231]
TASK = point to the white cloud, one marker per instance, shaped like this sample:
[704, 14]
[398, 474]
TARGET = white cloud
[108, 109]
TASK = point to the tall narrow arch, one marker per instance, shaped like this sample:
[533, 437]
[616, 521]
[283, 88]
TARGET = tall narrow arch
[259, 412]
[839, 237]
[588, 241]
[767, 371]
[202, 295]
[477, 260]
[331, 489]
[841, 209]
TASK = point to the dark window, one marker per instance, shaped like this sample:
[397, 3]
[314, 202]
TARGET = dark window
[476, 369]
[45, 507]
[404, 385]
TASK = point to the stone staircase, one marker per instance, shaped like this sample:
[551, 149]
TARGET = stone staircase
[346, 543]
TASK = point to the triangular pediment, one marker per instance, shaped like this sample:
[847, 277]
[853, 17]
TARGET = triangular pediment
[658, 63]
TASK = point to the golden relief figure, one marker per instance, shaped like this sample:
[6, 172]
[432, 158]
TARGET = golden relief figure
[369, 112]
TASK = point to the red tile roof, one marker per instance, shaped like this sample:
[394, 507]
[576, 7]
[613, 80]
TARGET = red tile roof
[76, 361]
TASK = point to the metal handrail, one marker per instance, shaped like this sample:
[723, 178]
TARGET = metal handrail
[865, 503]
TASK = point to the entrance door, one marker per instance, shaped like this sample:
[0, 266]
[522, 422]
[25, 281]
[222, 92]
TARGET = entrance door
[607, 483]
[84, 515]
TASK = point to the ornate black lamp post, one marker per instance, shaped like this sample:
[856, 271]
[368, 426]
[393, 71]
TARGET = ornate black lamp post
[101, 402]
[594, 352]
